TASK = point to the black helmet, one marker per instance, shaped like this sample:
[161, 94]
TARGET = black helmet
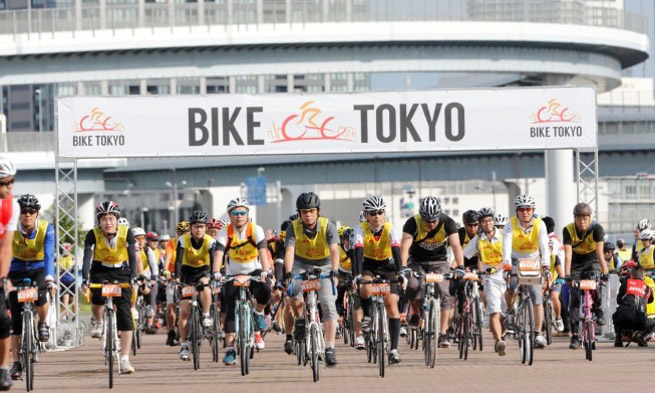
[582, 209]
[308, 200]
[29, 200]
[609, 246]
[620, 243]
[470, 217]
[198, 216]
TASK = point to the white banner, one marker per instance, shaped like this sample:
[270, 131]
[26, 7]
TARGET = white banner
[236, 124]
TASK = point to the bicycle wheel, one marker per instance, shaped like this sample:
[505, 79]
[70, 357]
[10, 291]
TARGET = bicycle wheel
[313, 342]
[139, 327]
[520, 330]
[193, 329]
[381, 338]
[548, 319]
[431, 335]
[214, 334]
[479, 315]
[110, 344]
[529, 310]
[299, 350]
[369, 348]
[26, 348]
[468, 334]
[589, 339]
[244, 354]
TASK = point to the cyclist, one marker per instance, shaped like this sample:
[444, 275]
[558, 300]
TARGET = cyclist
[159, 287]
[194, 256]
[500, 221]
[33, 258]
[345, 275]
[67, 276]
[149, 273]
[110, 255]
[646, 256]
[9, 212]
[466, 233]
[623, 251]
[638, 246]
[423, 249]
[312, 242]
[169, 267]
[377, 253]
[244, 243]
[610, 255]
[583, 246]
[526, 236]
[488, 247]
[630, 314]
[556, 269]
[214, 227]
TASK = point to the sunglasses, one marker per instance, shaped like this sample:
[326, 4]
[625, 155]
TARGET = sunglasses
[28, 211]
[307, 210]
[239, 213]
[472, 225]
[376, 213]
[525, 209]
[6, 183]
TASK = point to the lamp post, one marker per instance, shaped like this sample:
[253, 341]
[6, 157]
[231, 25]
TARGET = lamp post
[174, 186]
[37, 92]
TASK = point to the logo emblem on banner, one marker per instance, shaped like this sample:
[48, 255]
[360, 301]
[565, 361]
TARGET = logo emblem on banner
[97, 122]
[554, 112]
[310, 124]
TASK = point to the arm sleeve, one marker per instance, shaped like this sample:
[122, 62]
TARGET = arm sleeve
[566, 237]
[599, 233]
[450, 227]
[154, 266]
[507, 242]
[212, 248]
[89, 243]
[395, 253]
[543, 244]
[290, 239]
[179, 254]
[621, 294]
[49, 251]
[131, 252]
[260, 237]
[358, 260]
[221, 239]
[331, 233]
[410, 226]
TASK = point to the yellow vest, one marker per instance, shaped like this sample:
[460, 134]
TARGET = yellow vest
[639, 246]
[193, 257]
[467, 239]
[553, 268]
[625, 255]
[491, 254]
[144, 260]
[344, 260]
[377, 250]
[31, 249]
[66, 262]
[242, 250]
[157, 253]
[650, 307]
[104, 253]
[312, 249]
[438, 238]
[581, 246]
[525, 242]
[646, 258]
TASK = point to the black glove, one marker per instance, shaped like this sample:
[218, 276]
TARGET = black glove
[604, 277]
[460, 272]
[334, 273]
[568, 279]
[288, 276]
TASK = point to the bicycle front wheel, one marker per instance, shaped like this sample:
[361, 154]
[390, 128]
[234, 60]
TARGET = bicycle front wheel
[110, 345]
[431, 334]
[313, 342]
[477, 320]
[548, 319]
[195, 339]
[529, 327]
[244, 353]
[382, 337]
[214, 335]
[26, 349]
[588, 339]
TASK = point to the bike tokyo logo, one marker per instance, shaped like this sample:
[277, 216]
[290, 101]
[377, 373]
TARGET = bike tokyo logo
[310, 125]
[554, 112]
[97, 121]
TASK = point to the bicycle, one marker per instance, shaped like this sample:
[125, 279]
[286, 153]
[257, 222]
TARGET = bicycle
[469, 323]
[431, 310]
[195, 329]
[529, 273]
[216, 332]
[110, 342]
[348, 325]
[549, 311]
[140, 323]
[310, 348]
[244, 321]
[30, 347]
[586, 315]
[377, 337]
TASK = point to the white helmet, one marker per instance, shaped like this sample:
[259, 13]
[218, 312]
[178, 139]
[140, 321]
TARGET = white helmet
[7, 167]
[524, 201]
[647, 234]
[238, 202]
[643, 225]
[429, 208]
[124, 221]
[501, 220]
[486, 212]
[164, 238]
[374, 203]
[138, 231]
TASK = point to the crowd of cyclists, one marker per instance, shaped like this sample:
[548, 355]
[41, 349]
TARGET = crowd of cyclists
[202, 268]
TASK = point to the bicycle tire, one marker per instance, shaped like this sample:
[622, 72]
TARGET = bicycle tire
[530, 336]
[299, 349]
[519, 326]
[109, 347]
[548, 320]
[589, 340]
[243, 349]
[434, 325]
[139, 327]
[243, 344]
[382, 338]
[460, 335]
[369, 348]
[215, 332]
[195, 350]
[313, 339]
[26, 347]
[468, 334]
[351, 320]
[479, 315]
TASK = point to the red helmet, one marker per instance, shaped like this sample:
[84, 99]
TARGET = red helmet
[215, 224]
[626, 268]
[154, 236]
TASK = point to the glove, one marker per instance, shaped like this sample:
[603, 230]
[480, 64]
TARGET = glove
[407, 272]
[51, 284]
[568, 279]
[288, 276]
[141, 277]
[403, 279]
[604, 277]
[460, 272]
[217, 276]
[85, 283]
[490, 270]
[334, 273]
[263, 275]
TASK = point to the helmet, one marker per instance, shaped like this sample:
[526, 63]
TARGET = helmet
[373, 203]
[647, 234]
[620, 243]
[183, 226]
[124, 221]
[164, 238]
[609, 246]
[215, 224]
[485, 212]
[524, 201]
[643, 224]
[7, 167]
[344, 232]
[154, 236]
[238, 202]
[29, 200]
[342, 229]
[107, 207]
[138, 231]
[66, 246]
[470, 217]
[499, 219]
[308, 200]
[582, 209]
[198, 216]
[293, 217]
[626, 268]
[429, 208]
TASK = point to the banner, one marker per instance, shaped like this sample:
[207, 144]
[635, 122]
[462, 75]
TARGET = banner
[417, 121]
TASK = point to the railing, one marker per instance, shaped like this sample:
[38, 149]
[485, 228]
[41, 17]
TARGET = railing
[93, 16]
[27, 141]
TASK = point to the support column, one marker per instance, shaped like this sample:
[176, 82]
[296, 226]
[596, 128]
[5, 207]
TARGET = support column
[232, 84]
[350, 82]
[103, 14]
[261, 84]
[290, 85]
[260, 12]
[202, 84]
[80, 88]
[230, 12]
[201, 12]
[78, 14]
[325, 11]
[349, 10]
[104, 88]
[287, 7]
[143, 86]
[142, 13]
[173, 86]
[171, 14]
[327, 82]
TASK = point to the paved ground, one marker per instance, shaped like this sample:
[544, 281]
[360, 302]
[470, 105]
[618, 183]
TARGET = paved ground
[556, 369]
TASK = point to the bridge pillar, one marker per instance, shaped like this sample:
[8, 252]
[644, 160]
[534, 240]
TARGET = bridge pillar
[142, 12]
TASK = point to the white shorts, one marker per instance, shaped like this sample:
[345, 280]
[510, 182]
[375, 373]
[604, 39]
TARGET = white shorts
[170, 293]
[494, 292]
